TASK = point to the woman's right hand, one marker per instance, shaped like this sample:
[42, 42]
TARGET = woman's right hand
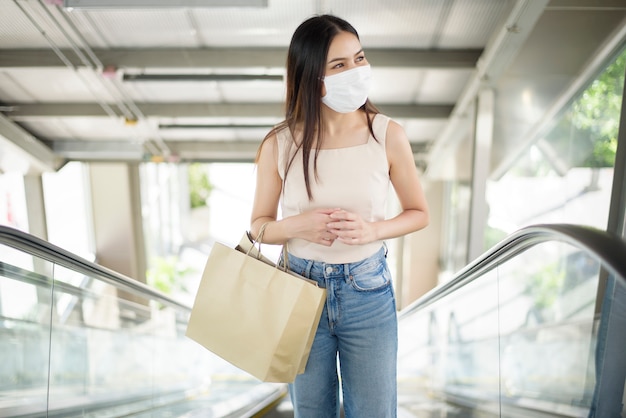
[311, 226]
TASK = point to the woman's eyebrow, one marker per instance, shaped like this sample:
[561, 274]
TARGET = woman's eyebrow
[341, 58]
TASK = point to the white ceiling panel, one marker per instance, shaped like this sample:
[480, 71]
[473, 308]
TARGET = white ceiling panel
[395, 85]
[442, 85]
[271, 26]
[213, 134]
[216, 120]
[56, 65]
[88, 129]
[259, 91]
[184, 27]
[23, 24]
[144, 28]
[174, 92]
[399, 23]
[470, 24]
[50, 128]
[59, 84]
[253, 92]
[11, 89]
[409, 85]
[422, 130]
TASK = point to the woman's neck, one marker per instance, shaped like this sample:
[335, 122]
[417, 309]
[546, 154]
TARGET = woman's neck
[335, 123]
[344, 129]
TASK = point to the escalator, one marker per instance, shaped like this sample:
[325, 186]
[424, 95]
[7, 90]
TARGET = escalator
[533, 328]
[79, 340]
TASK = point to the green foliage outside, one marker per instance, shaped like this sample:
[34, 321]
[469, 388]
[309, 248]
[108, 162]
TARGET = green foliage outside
[598, 112]
[587, 134]
[166, 275]
[493, 236]
[545, 285]
[199, 186]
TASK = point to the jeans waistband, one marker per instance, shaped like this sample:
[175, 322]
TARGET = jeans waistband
[311, 268]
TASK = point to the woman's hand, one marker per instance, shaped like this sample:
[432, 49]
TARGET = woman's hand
[350, 228]
[312, 226]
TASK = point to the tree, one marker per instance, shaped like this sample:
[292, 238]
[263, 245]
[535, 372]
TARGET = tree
[597, 113]
[199, 186]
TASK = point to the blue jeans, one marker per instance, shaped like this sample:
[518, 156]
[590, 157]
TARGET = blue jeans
[358, 331]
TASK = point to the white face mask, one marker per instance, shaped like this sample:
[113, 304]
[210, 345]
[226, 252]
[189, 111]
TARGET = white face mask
[348, 90]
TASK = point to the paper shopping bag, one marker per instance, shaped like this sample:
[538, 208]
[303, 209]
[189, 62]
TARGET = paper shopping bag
[247, 245]
[255, 315]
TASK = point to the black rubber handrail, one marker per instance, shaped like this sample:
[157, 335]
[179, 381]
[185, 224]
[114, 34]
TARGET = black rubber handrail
[38, 247]
[610, 249]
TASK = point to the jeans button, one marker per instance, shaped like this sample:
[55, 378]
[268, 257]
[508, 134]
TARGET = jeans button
[329, 270]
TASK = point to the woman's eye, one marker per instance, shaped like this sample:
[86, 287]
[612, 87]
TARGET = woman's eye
[360, 58]
[338, 66]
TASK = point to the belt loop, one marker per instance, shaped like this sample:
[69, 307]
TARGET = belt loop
[386, 248]
[307, 270]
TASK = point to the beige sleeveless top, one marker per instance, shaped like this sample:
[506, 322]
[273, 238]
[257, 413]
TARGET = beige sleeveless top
[354, 178]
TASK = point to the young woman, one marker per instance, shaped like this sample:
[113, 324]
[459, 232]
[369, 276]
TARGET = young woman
[329, 164]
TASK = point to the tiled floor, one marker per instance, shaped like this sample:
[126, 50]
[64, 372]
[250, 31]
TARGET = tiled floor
[283, 410]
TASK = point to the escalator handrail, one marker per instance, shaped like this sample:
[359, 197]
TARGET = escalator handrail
[609, 248]
[35, 246]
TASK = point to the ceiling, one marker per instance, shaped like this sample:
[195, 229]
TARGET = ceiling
[185, 81]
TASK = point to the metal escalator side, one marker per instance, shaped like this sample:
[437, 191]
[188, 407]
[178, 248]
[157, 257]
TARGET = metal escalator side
[534, 327]
[77, 339]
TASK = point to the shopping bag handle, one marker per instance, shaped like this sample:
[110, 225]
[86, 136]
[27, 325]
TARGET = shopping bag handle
[285, 267]
[259, 240]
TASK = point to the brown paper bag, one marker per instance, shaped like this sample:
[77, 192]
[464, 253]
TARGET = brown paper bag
[255, 315]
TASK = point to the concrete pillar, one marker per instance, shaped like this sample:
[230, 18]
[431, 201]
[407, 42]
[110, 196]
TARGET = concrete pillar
[35, 207]
[481, 167]
[38, 226]
[421, 250]
[118, 228]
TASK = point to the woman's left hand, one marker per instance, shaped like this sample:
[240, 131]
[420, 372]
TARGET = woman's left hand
[350, 228]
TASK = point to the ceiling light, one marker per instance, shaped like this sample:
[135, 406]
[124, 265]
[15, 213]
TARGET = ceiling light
[202, 77]
[159, 4]
[217, 126]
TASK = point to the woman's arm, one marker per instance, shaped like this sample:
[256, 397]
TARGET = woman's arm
[268, 189]
[405, 179]
[310, 226]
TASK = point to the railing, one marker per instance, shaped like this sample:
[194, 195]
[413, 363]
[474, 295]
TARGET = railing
[534, 327]
[77, 339]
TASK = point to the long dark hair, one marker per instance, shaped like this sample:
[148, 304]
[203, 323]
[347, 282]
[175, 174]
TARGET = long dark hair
[306, 63]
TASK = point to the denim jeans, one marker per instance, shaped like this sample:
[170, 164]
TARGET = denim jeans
[357, 335]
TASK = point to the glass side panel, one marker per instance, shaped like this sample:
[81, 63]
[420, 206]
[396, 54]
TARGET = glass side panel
[74, 345]
[519, 338]
[547, 336]
[109, 345]
[25, 317]
[67, 208]
[567, 170]
[448, 349]
[13, 211]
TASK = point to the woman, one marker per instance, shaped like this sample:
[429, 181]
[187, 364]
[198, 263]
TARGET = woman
[329, 165]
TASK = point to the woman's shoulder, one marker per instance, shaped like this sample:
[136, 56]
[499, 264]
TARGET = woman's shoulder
[283, 133]
[378, 117]
[385, 120]
[380, 126]
[396, 142]
[386, 125]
